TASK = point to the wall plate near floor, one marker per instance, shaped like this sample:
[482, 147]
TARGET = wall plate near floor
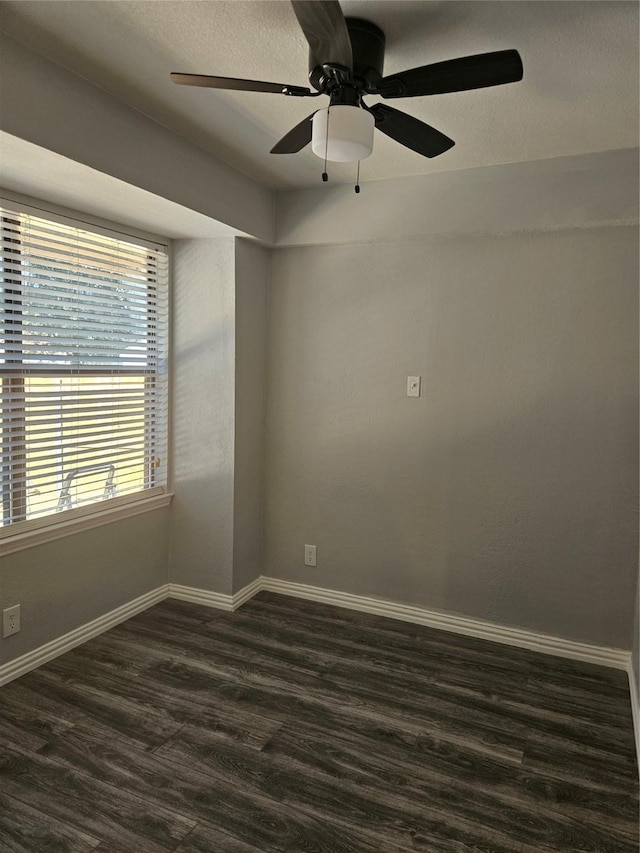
[11, 620]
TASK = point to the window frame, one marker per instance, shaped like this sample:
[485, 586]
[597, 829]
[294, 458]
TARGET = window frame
[26, 533]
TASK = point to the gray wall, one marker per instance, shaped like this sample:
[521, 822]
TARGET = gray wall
[562, 192]
[64, 584]
[203, 400]
[218, 400]
[507, 491]
[70, 116]
[251, 279]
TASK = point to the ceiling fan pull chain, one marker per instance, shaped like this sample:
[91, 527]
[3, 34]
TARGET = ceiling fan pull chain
[358, 178]
[325, 176]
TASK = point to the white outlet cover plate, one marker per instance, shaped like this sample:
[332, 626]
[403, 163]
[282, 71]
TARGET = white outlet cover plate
[11, 620]
[413, 386]
[310, 555]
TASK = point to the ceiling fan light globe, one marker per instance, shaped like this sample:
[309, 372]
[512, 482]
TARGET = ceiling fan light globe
[349, 136]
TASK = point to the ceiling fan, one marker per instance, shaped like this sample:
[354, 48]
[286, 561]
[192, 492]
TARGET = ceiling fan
[346, 58]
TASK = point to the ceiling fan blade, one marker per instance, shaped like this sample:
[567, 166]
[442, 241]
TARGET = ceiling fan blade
[325, 29]
[296, 139]
[454, 75]
[410, 131]
[209, 82]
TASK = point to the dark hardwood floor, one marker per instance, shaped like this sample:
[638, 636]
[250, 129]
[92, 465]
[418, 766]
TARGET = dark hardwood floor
[302, 728]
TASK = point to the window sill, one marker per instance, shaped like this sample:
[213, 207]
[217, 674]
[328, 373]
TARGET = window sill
[58, 530]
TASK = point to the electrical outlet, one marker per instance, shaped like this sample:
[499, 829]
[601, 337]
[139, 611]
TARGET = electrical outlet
[11, 620]
[310, 555]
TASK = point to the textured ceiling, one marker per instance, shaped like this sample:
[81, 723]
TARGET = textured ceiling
[579, 93]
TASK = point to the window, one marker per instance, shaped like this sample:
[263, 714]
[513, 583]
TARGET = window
[83, 355]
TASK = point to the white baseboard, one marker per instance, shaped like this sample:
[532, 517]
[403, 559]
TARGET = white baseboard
[544, 643]
[200, 596]
[635, 710]
[215, 599]
[247, 592]
[32, 660]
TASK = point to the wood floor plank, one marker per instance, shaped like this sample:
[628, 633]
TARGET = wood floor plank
[176, 708]
[39, 704]
[454, 770]
[380, 634]
[618, 769]
[313, 637]
[396, 819]
[529, 711]
[223, 795]
[337, 641]
[311, 696]
[568, 763]
[486, 721]
[460, 786]
[441, 646]
[239, 655]
[24, 829]
[16, 710]
[100, 650]
[88, 804]
[295, 727]
[119, 716]
[19, 736]
[206, 838]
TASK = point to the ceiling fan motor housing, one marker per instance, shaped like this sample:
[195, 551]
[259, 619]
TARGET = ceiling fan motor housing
[367, 43]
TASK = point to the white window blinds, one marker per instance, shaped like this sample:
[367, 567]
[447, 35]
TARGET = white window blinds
[83, 355]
